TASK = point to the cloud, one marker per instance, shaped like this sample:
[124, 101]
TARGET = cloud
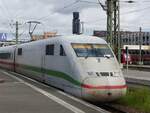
[135, 15]
[56, 15]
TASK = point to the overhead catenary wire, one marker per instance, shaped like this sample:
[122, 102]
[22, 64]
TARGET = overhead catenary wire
[124, 13]
[8, 11]
[70, 5]
[98, 20]
[122, 1]
[13, 32]
[86, 1]
[23, 30]
[4, 13]
[67, 6]
[134, 1]
[136, 11]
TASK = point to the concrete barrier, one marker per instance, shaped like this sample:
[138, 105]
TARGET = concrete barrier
[139, 67]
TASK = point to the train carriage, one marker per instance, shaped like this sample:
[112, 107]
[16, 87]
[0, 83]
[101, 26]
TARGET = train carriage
[134, 54]
[84, 66]
[7, 57]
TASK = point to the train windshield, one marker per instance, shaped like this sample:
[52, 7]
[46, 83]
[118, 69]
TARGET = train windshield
[92, 50]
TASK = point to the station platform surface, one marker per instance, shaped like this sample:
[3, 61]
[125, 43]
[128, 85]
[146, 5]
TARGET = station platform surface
[136, 74]
[18, 96]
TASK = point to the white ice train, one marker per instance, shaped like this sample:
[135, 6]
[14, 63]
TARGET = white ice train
[83, 66]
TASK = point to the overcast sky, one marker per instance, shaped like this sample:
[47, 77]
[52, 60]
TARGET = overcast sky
[56, 15]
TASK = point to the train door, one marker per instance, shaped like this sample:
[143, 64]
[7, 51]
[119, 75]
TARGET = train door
[47, 62]
[43, 63]
[43, 67]
[50, 64]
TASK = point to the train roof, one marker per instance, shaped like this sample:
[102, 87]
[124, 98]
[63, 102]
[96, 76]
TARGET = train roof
[71, 39]
[83, 38]
[66, 39]
[7, 47]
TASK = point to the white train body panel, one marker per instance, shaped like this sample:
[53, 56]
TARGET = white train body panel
[31, 58]
[91, 78]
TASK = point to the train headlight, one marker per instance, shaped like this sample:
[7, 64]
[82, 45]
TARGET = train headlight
[91, 73]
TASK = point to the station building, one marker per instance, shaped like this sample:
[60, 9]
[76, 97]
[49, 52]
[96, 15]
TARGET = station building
[44, 36]
[128, 37]
[4, 40]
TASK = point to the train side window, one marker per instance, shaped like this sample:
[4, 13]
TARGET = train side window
[62, 52]
[19, 51]
[137, 52]
[5, 55]
[130, 51]
[143, 52]
[50, 49]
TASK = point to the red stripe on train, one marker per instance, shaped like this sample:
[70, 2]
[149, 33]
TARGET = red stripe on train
[104, 87]
[7, 63]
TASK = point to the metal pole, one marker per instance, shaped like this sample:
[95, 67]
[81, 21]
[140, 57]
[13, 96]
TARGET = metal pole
[119, 36]
[17, 32]
[127, 55]
[140, 40]
[31, 31]
[82, 24]
[109, 21]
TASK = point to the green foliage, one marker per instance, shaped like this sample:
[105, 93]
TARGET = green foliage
[138, 98]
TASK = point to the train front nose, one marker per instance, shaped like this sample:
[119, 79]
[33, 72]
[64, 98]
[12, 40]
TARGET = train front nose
[103, 89]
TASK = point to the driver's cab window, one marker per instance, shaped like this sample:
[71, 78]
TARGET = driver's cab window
[62, 51]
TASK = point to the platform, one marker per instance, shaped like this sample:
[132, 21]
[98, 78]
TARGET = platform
[16, 97]
[143, 75]
[20, 96]
[137, 77]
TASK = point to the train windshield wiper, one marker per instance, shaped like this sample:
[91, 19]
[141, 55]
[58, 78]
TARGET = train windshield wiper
[87, 54]
[107, 56]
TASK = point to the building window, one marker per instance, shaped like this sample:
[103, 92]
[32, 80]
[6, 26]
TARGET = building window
[62, 52]
[49, 49]
[147, 42]
[5, 55]
[19, 51]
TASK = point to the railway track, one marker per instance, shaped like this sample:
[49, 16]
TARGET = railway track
[112, 108]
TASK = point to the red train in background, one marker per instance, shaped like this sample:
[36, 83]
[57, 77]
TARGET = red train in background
[134, 54]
